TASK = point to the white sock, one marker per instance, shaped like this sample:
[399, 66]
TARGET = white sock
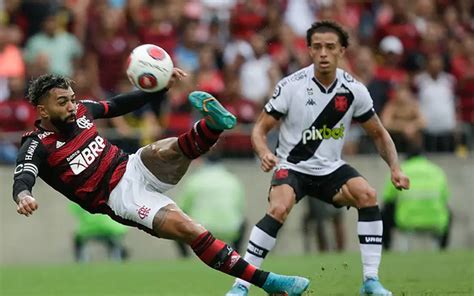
[370, 238]
[260, 244]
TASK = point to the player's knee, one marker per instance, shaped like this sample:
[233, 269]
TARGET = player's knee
[188, 231]
[366, 197]
[279, 211]
[165, 149]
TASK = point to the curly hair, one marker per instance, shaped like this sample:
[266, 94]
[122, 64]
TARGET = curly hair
[42, 85]
[328, 26]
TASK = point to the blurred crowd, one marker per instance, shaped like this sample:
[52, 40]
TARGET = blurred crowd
[415, 56]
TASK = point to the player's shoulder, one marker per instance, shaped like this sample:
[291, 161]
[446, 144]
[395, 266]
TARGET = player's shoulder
[350, 81]
[298, 77]
[35, 135]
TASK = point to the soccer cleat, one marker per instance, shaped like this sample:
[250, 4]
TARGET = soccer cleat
[285, 285]
[238, 290]
[373, 287]
[216, 115]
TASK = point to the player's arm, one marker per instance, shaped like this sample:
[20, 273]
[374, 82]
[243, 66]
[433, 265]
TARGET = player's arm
[29, 159]
[265, 122]
[131, 101]
[386, 149]
[121, 104]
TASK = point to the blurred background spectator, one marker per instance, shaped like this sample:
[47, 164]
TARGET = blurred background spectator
[240, 49]
[97, 228]
[320, 217]
[422, 210]
[217, 197]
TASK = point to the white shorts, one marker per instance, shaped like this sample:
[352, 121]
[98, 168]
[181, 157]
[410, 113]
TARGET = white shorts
[138, 195]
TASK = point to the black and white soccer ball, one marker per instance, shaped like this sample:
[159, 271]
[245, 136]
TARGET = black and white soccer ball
[149, 68]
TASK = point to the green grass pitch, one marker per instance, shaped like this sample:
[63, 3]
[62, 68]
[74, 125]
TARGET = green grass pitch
[417, 274]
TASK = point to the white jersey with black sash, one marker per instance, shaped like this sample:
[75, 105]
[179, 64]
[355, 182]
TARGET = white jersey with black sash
[316, 119]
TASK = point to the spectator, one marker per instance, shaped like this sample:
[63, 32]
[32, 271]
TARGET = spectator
[463, 70]
[209, 77]
[62, 49]
[403, 119]
[319, 214]
[436, 91]
[16, 116]
[262, 69]
[391, 69]
[99, 228]
[11, 60]
[187, 51]
[220, 203]
[422, 208]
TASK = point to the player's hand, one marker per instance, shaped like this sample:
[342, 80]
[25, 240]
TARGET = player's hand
[268, 161]
[178, 74]
[400, 180]
[27, 205]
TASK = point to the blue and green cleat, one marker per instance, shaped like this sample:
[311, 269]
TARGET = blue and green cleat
[373, 287]
[285, 285]
[216, 116]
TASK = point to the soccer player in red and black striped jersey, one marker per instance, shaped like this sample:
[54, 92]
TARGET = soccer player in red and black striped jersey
[69, 154]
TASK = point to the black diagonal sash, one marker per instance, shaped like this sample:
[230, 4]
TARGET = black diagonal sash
[330, 116]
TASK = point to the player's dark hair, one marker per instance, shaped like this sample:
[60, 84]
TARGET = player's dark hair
[328, 26]
[40, 86]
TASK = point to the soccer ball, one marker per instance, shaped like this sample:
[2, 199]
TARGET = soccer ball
[149, 68]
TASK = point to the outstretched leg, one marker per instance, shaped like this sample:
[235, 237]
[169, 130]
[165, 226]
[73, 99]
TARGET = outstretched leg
[171, 223]
[169, 159]
[264, 234]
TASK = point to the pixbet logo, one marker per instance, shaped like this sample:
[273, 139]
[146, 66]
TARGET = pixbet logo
[81, 159]
[324, 133]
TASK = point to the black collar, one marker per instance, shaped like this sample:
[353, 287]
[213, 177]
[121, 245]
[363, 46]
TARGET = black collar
[323, 89]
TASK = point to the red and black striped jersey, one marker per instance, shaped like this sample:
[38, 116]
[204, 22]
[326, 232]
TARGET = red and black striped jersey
[82, 165]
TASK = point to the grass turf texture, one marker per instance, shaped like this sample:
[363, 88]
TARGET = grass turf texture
[417, 274]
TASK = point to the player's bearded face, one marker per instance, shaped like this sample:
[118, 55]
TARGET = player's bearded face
[62, 110]
[65, 124]
[325, 51]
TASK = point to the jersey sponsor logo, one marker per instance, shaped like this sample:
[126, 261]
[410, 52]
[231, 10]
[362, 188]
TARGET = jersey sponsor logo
[31, 150]
[81, 159]
[325, 133]
[341, 104]
[84, 123]
[44, 135]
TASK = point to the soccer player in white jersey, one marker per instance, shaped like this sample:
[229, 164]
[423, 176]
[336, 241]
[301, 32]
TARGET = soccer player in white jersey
[316, 106]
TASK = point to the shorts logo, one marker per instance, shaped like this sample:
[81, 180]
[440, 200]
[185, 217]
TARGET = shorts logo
[143, 212]
[281, 174]
[81, 159]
